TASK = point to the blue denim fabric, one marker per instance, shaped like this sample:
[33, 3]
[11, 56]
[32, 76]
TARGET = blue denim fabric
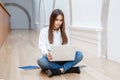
[45, 64]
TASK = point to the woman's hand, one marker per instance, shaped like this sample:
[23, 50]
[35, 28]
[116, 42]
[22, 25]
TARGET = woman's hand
[49, 56]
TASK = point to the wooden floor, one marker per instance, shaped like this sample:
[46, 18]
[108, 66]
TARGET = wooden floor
[21, 49]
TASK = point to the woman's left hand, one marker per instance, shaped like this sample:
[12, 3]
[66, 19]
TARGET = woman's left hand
[49, 56]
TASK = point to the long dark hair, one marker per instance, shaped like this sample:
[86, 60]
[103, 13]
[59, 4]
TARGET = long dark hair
[53, 16]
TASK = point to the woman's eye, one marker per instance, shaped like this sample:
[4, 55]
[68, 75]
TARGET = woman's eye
[61, 20]
[56, 19]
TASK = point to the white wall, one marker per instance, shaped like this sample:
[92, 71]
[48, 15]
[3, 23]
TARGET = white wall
[87, 12]
[114, 31]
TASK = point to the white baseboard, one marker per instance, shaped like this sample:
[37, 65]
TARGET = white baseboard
[87, 39]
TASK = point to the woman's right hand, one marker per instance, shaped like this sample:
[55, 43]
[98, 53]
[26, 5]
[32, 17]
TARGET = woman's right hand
[49, 56]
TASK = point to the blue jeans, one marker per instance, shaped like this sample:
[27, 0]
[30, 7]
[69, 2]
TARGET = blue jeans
[66, 65]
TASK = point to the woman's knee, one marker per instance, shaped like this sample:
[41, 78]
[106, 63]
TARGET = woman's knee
[43, 62]
[79, 55]
[39, 61]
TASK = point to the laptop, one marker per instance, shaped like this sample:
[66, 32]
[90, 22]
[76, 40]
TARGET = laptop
[63, 53]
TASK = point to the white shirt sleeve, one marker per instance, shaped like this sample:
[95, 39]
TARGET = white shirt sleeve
[43, 42]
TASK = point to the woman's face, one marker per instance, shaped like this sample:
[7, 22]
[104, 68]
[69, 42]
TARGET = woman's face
[58, 22]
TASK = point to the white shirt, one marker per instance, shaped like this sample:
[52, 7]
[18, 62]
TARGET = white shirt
[44, 44]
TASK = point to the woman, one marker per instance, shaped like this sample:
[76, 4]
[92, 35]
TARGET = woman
[56, 34]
